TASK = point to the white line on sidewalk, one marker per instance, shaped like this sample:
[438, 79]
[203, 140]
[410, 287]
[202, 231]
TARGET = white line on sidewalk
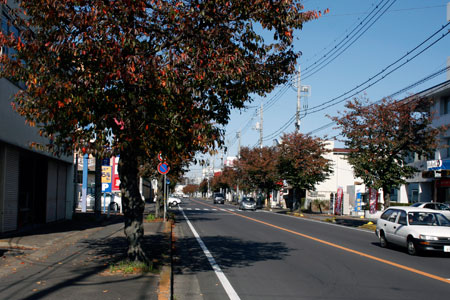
[223, 279]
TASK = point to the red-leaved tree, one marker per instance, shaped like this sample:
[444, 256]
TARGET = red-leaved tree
[136, 77]
[302, 161]
[257, 167]
[383, 135]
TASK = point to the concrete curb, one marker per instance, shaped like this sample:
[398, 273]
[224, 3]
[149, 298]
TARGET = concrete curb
[165, 286]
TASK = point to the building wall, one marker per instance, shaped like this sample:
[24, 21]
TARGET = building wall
[15, 139]
[342, 176]
[423, 189]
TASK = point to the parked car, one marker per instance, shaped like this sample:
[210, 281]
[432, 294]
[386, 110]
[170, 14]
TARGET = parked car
[415, 228]
[173, 201]
[219, 198]
[442, 207]
[247, 203]
[113, 201]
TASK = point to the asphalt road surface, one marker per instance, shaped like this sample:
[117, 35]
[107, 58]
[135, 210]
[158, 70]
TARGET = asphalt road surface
[224, 253]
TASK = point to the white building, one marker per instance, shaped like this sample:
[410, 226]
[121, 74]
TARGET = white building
[343, 176]
[432, 183]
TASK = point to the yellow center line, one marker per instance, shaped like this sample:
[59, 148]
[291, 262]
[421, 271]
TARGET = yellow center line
[341, 247]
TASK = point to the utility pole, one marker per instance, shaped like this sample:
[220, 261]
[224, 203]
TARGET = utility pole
[297, 114]
[238, 135]
[261, 128]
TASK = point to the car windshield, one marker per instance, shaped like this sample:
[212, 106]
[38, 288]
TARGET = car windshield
[427, 219]
[416, 204]
[250, 200]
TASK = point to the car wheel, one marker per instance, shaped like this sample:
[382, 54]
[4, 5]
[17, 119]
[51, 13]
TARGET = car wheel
[412, 250]
[383, 241]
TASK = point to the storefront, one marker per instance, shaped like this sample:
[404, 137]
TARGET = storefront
[439, 171]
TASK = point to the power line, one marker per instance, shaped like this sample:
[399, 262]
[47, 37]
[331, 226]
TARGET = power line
[331, 58]
[389, 66]
[344, 34]
[419, 82]
[316, 108]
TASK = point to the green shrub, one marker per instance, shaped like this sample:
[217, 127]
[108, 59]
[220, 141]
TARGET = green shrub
[150, 217]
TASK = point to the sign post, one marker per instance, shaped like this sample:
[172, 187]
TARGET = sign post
[163, 168]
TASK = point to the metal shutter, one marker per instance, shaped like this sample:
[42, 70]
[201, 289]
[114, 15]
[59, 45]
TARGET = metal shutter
[11, 200]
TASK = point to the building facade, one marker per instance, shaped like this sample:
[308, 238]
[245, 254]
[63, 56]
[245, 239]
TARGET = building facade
[35, 187]
[432, 183]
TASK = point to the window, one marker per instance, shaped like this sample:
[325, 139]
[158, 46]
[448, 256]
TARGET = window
[444, 106]
[387, 214]
[8, 28]
[393, 216]
[429, 205]
[402, 218]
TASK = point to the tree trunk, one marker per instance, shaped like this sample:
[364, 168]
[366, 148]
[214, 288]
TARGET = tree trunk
[133, 206]
[386, 197]
[159, 198]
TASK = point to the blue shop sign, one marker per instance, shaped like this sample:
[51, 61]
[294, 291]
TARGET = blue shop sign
[438, 164]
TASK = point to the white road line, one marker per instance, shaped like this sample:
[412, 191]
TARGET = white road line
[206, 209]
[197, 208]
[223, 279]
[214, 209]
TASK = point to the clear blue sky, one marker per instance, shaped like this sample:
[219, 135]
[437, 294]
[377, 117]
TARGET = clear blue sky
[402, 27]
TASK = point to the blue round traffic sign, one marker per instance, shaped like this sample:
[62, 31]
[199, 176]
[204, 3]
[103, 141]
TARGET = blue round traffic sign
[163, 168]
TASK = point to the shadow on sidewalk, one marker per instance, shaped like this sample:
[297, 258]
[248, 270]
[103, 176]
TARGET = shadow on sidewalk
[80, 221]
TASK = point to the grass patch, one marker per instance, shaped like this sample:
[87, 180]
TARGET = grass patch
[371, 227]
[131, 267]
[151, 217]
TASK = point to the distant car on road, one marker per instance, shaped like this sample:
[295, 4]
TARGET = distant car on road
[247, 203]
[173, 201]
[442, 207]
[415, 228]
[219, 198]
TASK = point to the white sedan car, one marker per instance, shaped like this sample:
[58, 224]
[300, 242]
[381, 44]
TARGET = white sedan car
[173, 201]
[417, 229]
[442, 208]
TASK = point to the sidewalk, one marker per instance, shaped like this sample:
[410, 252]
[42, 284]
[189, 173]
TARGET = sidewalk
[70, 260]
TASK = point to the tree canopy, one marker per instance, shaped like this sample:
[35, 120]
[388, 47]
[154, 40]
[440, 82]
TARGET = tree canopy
[302, 162]
[133, 78]
[383, 135]
[258, 168]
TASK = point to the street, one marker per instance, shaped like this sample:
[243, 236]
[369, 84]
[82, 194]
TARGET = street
[264, 255]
